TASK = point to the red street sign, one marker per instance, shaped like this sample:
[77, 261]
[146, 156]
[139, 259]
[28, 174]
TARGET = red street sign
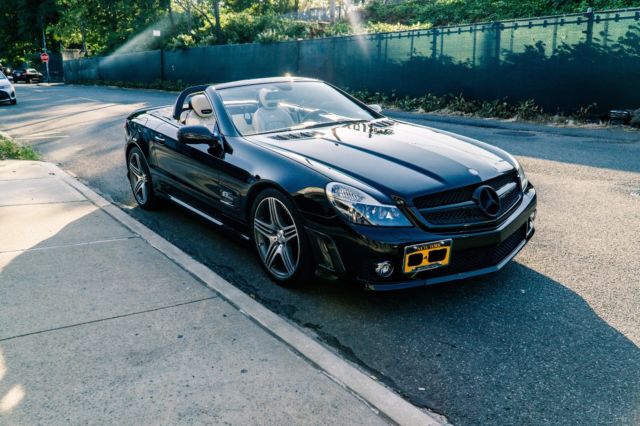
[44, 57]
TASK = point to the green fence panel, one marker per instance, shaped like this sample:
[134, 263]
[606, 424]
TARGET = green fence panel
[562, 62]
[212, 64]
[139, 67]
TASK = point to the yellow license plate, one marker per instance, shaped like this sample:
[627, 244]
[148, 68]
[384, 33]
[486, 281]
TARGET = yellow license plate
[421, 257]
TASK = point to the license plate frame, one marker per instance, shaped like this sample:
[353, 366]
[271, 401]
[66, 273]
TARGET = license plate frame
[439, 251]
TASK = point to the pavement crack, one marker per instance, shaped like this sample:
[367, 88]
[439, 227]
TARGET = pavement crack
[108, 318]
[87, 243]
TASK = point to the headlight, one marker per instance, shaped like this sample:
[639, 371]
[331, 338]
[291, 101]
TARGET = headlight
[522, 177]
[361, 208]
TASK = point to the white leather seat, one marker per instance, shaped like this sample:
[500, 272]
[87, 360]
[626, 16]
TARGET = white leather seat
[241, 124]
[270, 116]
[201, 112]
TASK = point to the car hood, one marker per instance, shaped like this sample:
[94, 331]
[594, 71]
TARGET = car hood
[397, 159]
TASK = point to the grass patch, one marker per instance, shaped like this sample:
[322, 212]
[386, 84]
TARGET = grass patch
[11, 151]
[459, 105]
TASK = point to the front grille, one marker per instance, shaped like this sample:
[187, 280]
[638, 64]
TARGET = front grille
[478, 257]
[431, 206]
[460, 195]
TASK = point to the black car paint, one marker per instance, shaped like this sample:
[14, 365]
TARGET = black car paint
[393, 162]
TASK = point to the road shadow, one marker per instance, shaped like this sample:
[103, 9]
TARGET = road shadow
[513, 348]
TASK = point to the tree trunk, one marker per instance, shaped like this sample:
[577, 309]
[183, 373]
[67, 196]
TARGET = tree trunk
[216, 15]
[84, 41]
[332, 11]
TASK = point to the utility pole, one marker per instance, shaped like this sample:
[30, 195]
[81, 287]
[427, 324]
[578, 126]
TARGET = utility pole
[44, 39]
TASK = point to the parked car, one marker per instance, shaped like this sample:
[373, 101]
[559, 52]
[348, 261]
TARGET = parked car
[315, 179]
[27, 75]
[7, 92]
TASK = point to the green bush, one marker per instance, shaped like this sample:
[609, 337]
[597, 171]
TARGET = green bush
[458, 104]
[12, 151]
[451, 12]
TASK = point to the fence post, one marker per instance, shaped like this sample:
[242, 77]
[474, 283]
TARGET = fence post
[497, 33]
[434, 44]
[589, 32]
[161, 65]
[298, 57]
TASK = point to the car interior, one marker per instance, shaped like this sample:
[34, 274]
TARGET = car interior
[254, 109]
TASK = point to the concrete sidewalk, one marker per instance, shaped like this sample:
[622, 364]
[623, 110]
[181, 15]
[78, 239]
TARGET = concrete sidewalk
[98, 326]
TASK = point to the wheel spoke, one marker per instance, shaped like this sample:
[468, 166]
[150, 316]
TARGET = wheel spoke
[271, 254]
[140, 190]
[290, 232]
[263, 228]
[273, 212]
[287, 260]
[136, 171]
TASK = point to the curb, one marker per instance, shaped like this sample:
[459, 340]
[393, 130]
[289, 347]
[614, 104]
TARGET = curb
[382, 399]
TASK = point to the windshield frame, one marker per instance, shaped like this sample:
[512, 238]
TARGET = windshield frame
[356, 102]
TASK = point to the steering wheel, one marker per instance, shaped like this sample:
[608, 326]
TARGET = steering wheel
[314, 113]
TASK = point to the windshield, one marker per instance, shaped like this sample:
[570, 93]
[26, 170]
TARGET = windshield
[291, 105]
[2, 76]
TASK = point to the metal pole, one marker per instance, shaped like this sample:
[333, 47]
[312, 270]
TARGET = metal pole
[44, 46]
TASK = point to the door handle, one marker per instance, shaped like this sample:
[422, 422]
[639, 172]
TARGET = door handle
[159, 139]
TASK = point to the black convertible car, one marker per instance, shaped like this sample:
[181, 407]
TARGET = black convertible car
[316, 179]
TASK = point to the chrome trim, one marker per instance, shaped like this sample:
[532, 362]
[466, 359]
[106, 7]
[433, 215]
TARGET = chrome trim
[506, 189]
[193, 209]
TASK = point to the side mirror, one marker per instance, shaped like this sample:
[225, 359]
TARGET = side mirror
[196, 134]
[375, 107]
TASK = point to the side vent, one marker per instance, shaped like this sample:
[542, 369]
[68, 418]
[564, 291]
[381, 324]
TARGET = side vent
[290, 136]
[382, 124]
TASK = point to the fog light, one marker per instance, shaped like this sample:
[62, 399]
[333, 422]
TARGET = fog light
[530, 224]
[384, 269]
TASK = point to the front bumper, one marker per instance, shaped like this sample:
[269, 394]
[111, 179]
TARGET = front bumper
[473, 252]
[7, 94]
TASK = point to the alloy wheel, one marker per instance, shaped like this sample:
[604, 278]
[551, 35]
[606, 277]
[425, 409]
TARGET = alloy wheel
[138, 179]
[276, 237]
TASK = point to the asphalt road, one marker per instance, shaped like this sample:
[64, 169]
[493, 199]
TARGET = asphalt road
[552, 339]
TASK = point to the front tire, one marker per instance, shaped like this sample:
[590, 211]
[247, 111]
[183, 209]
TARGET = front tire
[280, 240]
[140, 180]
[14, 101]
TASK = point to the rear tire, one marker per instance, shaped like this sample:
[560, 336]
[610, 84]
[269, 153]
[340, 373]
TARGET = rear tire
[279, 238]
[140, 180]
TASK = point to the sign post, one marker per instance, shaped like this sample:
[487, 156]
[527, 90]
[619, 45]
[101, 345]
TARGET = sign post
[45, 58]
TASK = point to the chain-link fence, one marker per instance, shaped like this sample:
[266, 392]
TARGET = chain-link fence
[562, 62]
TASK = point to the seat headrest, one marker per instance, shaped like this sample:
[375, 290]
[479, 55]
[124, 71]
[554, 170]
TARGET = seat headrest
[201, 105]
[268, 98]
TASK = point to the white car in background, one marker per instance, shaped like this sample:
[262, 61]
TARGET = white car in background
[7, 92]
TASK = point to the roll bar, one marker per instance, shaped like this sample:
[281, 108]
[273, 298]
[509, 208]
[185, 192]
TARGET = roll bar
[177, 108]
